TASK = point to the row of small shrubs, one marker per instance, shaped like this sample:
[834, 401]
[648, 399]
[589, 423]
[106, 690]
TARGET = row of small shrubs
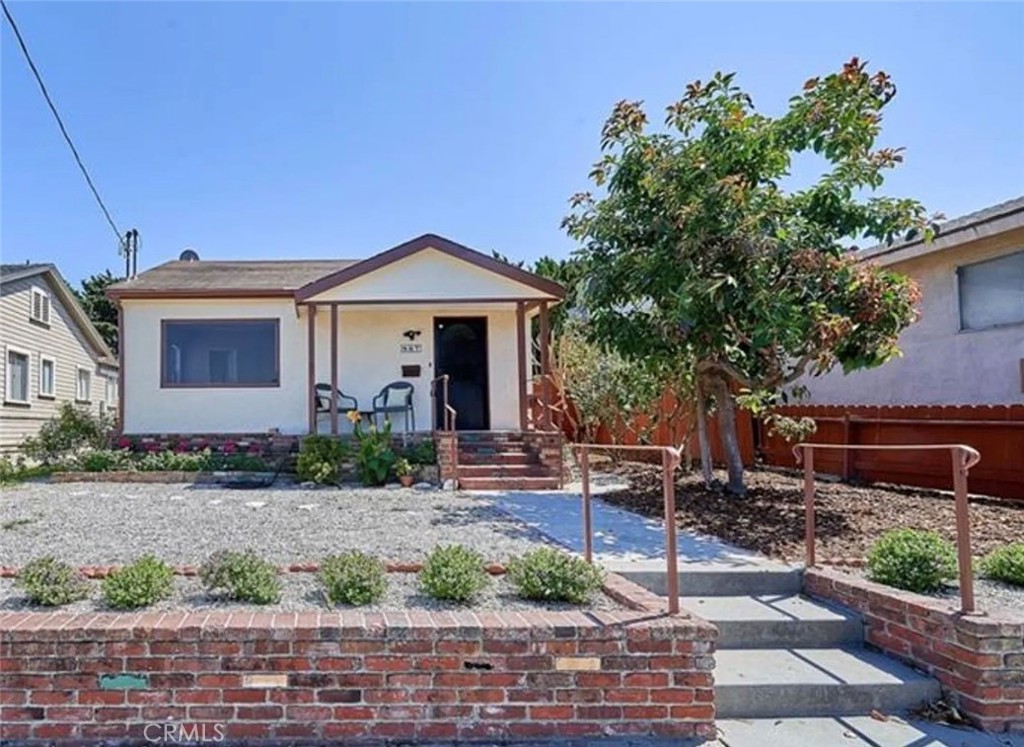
[371, 450]
[451, 573]
[922, 561]
[123, 460]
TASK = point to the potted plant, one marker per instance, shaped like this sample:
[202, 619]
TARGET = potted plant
[404, 471]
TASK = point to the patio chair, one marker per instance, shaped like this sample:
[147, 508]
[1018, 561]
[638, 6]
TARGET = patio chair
[394, 398]
[345, 402]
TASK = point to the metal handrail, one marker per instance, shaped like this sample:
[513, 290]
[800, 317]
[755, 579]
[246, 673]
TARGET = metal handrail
[448, 418]
[670, 458]
[964, 457]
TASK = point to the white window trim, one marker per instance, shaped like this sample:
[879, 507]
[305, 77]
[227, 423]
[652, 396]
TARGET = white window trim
[36, 291]
[53, 363]
[88, 394]
[110, 388]
[8, 349]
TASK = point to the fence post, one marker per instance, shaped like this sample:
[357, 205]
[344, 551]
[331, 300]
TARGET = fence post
[668, 464]
[809, 505]
[963, 530]
[847, 453]
[588, 529]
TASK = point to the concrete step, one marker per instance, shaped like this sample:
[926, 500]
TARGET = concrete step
[776, 620]
[806, 682]
[504, 470]
[509, 483]
[738, 577]
[851, 731]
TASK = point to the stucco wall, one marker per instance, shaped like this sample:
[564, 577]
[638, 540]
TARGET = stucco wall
[940, 364]
[368, 358]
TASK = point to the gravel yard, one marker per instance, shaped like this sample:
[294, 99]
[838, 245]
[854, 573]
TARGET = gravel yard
[107, 523]
[301, 591]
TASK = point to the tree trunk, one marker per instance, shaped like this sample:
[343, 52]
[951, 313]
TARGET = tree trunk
[730, 441]
[702, 437]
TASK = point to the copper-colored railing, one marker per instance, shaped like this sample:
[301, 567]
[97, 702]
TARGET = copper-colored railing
[448, 418]
[670, 458]
[964, 457]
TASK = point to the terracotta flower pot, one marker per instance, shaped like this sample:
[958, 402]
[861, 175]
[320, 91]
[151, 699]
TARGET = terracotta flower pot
[406, 480]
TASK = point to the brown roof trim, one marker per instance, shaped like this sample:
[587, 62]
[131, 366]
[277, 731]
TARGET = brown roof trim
[116, 294]
[418, 244]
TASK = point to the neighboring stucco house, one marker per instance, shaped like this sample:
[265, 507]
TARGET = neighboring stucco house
[240, 347]
[968, 346]
[52, 353]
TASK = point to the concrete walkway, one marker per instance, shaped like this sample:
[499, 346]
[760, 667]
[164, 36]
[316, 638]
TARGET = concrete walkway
[853, 731]
[619, 535]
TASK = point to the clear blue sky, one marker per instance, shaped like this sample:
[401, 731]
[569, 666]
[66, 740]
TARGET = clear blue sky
[279, 130]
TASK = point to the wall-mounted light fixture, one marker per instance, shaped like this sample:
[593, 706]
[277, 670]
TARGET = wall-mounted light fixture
[412, 334]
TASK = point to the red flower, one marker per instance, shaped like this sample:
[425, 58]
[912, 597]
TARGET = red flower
[123, 443]
[182, 447]
[229, 448]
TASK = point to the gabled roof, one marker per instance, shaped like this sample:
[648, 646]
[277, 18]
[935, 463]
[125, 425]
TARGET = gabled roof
[995, 219]
[181, 278]
[56, 282]
[441, 244]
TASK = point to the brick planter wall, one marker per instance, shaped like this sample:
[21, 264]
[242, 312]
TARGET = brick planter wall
[978, 659]
[407, 676]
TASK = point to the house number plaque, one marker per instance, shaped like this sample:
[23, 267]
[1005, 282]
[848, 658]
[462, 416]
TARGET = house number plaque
[410, 347]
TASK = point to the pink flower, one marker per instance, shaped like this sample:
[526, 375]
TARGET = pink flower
[255, 449]
[182, 447]
[152, 446]
[123, 443]
[229, 448]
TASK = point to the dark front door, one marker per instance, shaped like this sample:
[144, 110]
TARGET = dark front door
[460, 350]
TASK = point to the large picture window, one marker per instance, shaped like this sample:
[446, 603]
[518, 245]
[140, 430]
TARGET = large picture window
[992, 292]
[220, 353]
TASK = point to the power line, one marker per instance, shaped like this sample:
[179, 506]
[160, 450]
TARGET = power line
[60, 123]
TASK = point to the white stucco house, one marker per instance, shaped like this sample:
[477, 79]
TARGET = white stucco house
[248, 347]
[52, 353]
[968, 346]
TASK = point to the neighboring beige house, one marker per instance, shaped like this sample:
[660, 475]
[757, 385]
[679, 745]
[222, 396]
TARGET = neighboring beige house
[247, 347]
[52, 353]
[968, 346]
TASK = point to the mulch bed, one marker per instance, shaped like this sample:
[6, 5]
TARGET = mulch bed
[770, 519]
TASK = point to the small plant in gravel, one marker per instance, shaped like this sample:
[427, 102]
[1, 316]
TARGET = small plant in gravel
[913, 560]
[353, 578]
[320, 459]
[139, 584]
[49, 582]
[454, 573]
[244, 576]
[1005, 564]
[550, 575]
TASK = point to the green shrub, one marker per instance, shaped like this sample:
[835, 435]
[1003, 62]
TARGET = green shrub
[421, 452]
[69, 432]
[239, 462]
[912, 559]
[550, 575]
[50, 582]
[139, 584]
[174, 461]
[320, 459]
[353, 578]
[14, 472]
[375, 456]
[104, 460]
[453, 573]
[244, 576]
[1005, 564]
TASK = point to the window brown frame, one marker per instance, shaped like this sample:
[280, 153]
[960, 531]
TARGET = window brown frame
[165, 384]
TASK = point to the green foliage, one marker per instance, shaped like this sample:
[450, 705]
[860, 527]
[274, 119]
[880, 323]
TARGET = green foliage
[140, 584]
[550, 575]
[65, 435]
[173, 461]
[244, 576]
[421, 452]
[105, 460]
[320, 459]
[101, 310]
[48, 581]
[453, 573]
[238, 462]
[697, 254]
[375, 456]
[1005, 564]
[13, 472]
[402, 467]
[912, 559]
[353, 578]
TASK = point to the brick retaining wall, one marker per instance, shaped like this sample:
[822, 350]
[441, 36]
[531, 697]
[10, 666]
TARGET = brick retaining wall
[315, 675]
[978, 659]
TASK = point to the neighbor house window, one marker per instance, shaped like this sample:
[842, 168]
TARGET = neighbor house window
[220, 353]
[39, 308]
[47, 377]
[83, 385]
[992, 292]
[111, 392]
[17, 376]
